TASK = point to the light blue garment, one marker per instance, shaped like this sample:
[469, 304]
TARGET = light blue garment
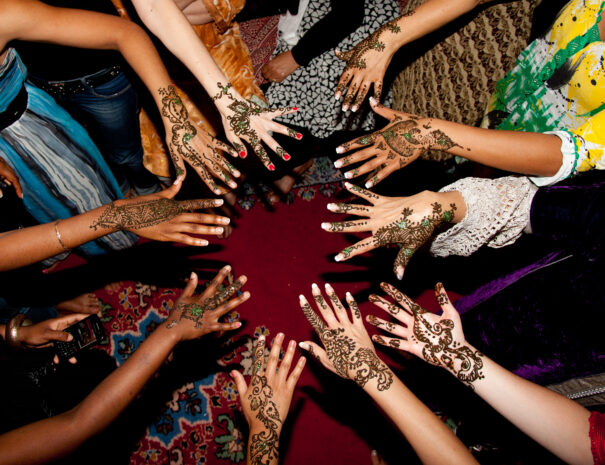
[61, 171]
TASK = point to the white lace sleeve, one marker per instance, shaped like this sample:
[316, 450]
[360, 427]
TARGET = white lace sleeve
[497, 211]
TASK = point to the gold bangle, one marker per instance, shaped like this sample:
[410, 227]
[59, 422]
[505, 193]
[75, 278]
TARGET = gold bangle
[11, 334]
[58, 234]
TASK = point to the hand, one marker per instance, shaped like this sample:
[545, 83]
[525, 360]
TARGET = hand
[438, 339]
[245, 119]
[406, 221]
[195, 316]
[266, 401]
[161, 218]
[280, 67]
[10, 178]
[395, 146]
[191, 144]
[366, 64]
[44, 333]
[349, 352]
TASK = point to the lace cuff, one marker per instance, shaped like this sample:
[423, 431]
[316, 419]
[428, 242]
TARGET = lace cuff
[574, 153]
[497, 211]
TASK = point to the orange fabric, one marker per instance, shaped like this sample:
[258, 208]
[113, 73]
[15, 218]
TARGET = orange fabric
[228, 50]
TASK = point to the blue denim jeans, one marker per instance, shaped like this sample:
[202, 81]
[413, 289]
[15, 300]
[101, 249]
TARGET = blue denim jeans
[110, 113]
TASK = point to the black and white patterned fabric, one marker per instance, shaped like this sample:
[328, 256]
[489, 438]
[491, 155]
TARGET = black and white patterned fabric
[312, 88]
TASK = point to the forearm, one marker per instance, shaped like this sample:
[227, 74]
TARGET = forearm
[263, 445]
[57, 436]
[557, 423]
[421, 427]
[515, 151]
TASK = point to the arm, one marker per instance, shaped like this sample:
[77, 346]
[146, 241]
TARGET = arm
[350, 354]
[369, 59]
[407, 136]
[241, 118]
[557, 423]
[191, 317]
[155, 216]
[266, 400]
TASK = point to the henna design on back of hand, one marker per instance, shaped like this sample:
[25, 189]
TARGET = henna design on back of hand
[264, 446]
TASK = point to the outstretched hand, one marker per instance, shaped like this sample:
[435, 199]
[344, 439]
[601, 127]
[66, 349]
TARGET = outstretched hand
[244, 119]
[266, 400]
[161, 218]
[193, 316]
[437, 339]
[191, 144]
[406, 221]
[366, 64]
[393, 147]
[347, 348]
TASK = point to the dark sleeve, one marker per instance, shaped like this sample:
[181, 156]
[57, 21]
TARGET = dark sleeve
[574, 207]
[344, 17]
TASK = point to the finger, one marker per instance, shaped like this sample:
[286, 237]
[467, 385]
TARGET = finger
[191, 285]
[347, 226]
[209, 178]
[199, 204]
[271, 369]
[286, 363]
[377, 90]
[324, 309]
[204, 218]
[382, 175]
[361, 95]
[402, 299]
[381, 110]
[296, 372]
[356, 143]
[350, 95]
[349, 208]
[276, 112]
[343, 82]
[367, 167]
[171, 191]
[240, 383]
[220, 145]
[394, 342]
[179, 165]
[356, 157]
[73, 360]
[12, 179]
[223, 295]
[66, 321]
[358, 248]
[235, 141]
[263, 156]
[55, 335]
[211, 290]
[316, 322]
[259, 355]
[195, 228]
[231, 326]
[317, 352]
[401, 261]
[355, 312]
[362, 193]
[339, 309]
[387, 326]
[391, 308]
[233, 303]
[185, 239]
[444, 302]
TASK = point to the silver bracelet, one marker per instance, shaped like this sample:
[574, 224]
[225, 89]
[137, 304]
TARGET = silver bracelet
[59, 237]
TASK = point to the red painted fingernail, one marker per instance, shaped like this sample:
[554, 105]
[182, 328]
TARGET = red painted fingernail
[271, 167]
[242, 154]
[287, 157]
[298, 135]
[294, 108]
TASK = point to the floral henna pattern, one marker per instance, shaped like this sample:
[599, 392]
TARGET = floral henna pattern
[264, 446]
[145, 214]
[354, 57]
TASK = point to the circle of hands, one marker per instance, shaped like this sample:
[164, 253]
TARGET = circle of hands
[193, 316]
[347, 348]
[266, 400]
[437, 339]
[406, 221]
[244, 119]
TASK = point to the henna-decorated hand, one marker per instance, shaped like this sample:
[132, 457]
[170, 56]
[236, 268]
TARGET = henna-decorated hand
[395, 146]
[247, 120]
[10, 178]
[280, 67]
[349, 351]
[195, 316]
[406, 221]
[266, 400]
[437, 339]
[161, 218]
[366, 64]
[191, 144]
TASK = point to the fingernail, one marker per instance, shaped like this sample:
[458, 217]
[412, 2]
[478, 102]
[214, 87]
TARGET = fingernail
[399, 273]
[349, 185]
[261, 338]
[337, 95]
[328, 287]
[218, 202]
[337, 164]
[354, 108]
[303, 345]
[271, 167]
[192, 275]
[332, 207]
[232, 373]
[287, 157]
[374, 453]
[298, 135]
[219, 230]
[349, 175]
[225, 220]
[326, 226]
[373, 101]
[242, 154]
[227, 268]
[237, 174]
[345, 107]
[349, 296]
[368, 184]
[301, 297]
[294, 108]
[232, 185]
[202, 242]
[238, 324]
[315, 287]
[339, 150]
[338, 258]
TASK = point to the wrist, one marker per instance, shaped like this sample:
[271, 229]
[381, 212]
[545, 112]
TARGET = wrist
[449, 199]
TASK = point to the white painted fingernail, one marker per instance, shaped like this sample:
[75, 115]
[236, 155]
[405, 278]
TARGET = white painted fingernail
[218, 202]
[373, 101]
[219, 230]
[325, 226]
[303, 345]
[348, 175]
[399, 273]
[315, 287]
[348, 185]
[337, 164]
[340, 149]
[345, 107]
[368, 185]
[338, 258]
[354, 108]
[337, 96]
[202, 242]
[332, 207]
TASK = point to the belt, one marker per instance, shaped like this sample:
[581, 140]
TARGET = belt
[14, 110]
[75, 86]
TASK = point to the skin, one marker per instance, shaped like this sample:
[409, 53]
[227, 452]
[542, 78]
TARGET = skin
[167, 22]
[57, 436]
[195, 11]
[280, 67]
[9, 177]
[407, 136]
[266, 400]
[556, 422]
[31, 20]
[44, 333]
[407, 221]
[418, 424]
[30, 245]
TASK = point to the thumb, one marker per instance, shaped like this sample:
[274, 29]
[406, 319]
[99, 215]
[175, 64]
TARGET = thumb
[316, 351]
[54, 335]
[171, 191]
[401, 261]
[240, 382]
[191, 285]
[381, 110]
